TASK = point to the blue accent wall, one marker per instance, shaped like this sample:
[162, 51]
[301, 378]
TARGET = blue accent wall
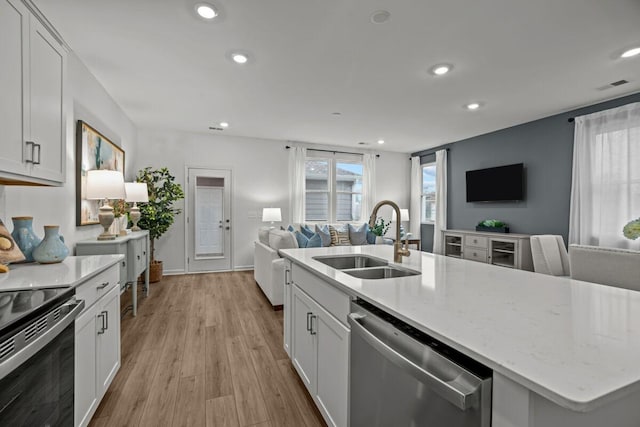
[545, 147]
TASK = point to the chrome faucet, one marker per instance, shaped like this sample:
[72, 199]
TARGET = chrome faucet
[399, 250]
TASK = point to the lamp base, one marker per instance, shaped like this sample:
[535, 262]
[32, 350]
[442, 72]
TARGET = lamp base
[134, 214]
[105, 217]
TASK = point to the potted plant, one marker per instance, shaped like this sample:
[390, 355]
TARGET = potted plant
[492, 225]
[379, 229]
[159, 213]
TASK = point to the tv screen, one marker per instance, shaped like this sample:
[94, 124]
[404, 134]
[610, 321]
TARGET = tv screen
[503, 183]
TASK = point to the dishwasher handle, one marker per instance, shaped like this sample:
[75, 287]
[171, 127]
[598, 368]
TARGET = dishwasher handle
[463, 399]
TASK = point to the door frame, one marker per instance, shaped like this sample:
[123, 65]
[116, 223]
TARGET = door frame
[187, 212]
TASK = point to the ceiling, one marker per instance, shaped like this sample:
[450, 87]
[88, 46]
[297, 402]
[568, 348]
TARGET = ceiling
[522, 59]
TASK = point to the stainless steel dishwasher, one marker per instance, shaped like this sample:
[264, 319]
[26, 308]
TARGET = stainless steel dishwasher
[400, 376]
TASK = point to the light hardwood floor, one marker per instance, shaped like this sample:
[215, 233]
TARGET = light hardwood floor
[205, 350]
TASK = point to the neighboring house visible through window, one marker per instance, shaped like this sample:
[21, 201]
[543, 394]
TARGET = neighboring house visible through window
[428, 200]
[333, 189]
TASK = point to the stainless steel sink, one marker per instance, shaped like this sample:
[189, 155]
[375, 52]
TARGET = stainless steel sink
[343, 262]
[381, 272]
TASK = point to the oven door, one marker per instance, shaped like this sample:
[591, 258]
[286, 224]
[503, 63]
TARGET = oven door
[36, 385]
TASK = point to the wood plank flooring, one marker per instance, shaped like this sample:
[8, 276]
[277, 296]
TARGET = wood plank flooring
[205, 350]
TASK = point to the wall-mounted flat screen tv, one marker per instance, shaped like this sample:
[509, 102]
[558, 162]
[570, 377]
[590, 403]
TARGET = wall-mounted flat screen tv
[503, 183]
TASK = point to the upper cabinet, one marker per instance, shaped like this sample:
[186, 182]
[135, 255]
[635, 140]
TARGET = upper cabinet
[32, 101]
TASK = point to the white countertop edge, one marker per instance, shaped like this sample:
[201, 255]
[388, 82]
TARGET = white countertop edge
[566, 402]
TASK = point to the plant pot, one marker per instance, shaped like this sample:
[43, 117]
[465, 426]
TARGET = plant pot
[155, 271]
[379, 240]
[504, 229]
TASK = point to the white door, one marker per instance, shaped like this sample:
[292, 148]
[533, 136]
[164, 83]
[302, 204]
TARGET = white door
[108, 342]
[208, 220]
[303, 349]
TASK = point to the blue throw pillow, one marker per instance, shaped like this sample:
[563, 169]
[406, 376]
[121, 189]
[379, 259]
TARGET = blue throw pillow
[307, 231]
[302, 239]
[371, 238]
[315, 241]
[358, 236]
[324, 235]
[291, 229]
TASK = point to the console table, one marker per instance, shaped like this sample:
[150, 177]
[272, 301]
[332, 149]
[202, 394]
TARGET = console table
[505, 250]
[135, 248]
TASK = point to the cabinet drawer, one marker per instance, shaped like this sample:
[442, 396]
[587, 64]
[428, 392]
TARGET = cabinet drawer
[327, 296]
[94, 288]
[475, 254]
[476, 241]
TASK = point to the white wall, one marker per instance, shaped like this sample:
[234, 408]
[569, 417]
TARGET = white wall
[86, 100]
[259, 179]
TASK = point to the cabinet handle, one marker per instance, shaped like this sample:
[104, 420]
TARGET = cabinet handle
[33, 151]
[309, 314]
[313, 316]
[102, 286]
[102, 329]
[138, 257]
[39, 154]
[106, 320]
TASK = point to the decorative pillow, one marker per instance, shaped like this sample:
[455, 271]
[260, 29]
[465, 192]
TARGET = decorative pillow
[279, 239]
[307, 231]
[315, 241]
[302, 239]
[263, 235]
[325, 235]
[358, 236]
[371, 238]
[339, 235]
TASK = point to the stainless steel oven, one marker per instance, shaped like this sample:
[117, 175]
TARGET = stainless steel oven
[37, 357]
[400, 377]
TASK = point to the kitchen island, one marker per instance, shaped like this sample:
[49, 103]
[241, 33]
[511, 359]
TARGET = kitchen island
[563, 352]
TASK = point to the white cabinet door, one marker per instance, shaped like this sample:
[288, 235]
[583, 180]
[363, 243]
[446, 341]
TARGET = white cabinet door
[287, 309]
[304, 352]
[332, 383]
[86, 399]
[14, 41]
[108, 343]
[47, 62]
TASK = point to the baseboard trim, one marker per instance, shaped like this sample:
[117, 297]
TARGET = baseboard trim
[173, 272]
[243, 267]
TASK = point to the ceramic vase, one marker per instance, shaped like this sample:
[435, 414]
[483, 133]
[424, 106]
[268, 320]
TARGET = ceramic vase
[379, 240]
[24, 236]
[52, 249]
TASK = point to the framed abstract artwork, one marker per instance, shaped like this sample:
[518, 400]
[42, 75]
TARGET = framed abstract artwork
[93, 151]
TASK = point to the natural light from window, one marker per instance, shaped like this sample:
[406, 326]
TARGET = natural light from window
[428, 199]
[333, 190]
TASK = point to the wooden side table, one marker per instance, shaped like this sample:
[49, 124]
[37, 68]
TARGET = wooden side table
[135, 248]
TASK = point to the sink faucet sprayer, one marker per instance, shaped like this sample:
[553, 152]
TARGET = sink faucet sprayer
[399, 250]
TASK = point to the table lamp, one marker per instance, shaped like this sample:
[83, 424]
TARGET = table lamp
[271, 215]
[105, 185]
[404, 216]
[136, 192]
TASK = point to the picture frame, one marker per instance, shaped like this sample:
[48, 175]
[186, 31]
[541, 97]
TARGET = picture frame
[93, 151]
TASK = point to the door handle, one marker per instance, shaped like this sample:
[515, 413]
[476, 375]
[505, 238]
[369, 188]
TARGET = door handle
[102, 329]
[39, 153]
[309, 314]
[106, 320]
[33, 151]
[313, 316]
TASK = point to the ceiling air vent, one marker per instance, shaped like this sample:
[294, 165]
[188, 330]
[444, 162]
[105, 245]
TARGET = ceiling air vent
[215, 128]
[614, 84]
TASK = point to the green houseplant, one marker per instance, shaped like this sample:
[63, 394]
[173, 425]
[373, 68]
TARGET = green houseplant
[380, 228]
[159, 213]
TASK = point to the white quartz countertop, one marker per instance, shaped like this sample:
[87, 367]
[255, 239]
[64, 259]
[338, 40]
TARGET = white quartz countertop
[69, 273]
[573, 342]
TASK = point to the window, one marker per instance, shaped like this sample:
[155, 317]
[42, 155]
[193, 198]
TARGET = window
[428, 199]
[333, 189]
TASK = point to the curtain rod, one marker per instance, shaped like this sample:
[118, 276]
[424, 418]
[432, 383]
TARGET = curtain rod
[428, 152]
[332, 151]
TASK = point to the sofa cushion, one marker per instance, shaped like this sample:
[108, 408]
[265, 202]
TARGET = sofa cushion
[358, 235]
[301, 239]
[307, 231]
[371, 238]
[263, 235]
[315, 241]
[339, 235]
[325, 235]
[279, 239]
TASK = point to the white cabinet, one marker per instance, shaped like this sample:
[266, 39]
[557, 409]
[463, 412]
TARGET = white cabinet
[97, 342]
[286, 307]
[320, 354]
[32, 101]
[505, 250]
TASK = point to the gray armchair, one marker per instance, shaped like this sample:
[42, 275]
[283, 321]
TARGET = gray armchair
[607, 266]
[549, 255]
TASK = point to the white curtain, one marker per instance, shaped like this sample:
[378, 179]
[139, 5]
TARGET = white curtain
[415, 217]
[368, 185]
[297, 157]
[441, 200]
[605, 190]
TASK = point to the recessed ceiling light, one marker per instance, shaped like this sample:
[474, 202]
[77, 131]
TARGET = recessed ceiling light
[630, 52]
[381, 141]
[473, 106]
[441, 69]
[239, 58]
[224, 124]
[380, 16]
[206, 11]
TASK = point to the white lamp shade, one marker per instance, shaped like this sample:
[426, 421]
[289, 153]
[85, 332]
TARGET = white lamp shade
[104, 184]
[404, 215]
[271, 215]
[136, 192]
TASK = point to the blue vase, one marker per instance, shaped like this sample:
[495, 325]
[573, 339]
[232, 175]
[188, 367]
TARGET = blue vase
[52, 249]
[24, 236]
